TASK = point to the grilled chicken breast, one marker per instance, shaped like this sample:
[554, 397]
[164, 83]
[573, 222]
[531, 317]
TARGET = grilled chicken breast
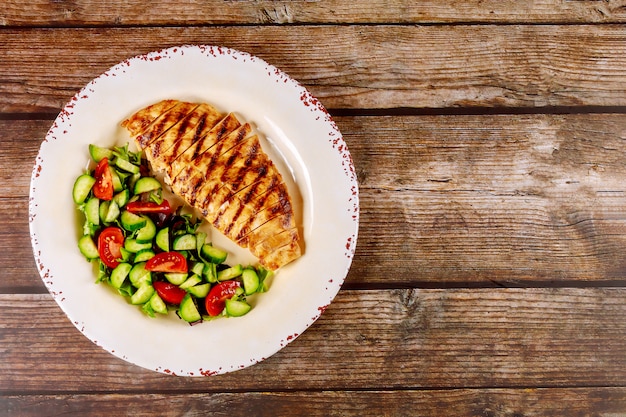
[217, 165]
[142, 119]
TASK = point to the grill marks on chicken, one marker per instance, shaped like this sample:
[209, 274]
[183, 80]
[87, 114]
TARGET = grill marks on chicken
[217, 165]
[164, 149]
[197, 147]
[136, 126]
[193, 179]
[163, 123]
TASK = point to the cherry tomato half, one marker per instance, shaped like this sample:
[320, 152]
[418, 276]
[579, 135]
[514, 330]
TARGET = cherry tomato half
[170, 293]
[215, 301]
[110, 242]
[167, 262]
[103, 188]
[149, 207]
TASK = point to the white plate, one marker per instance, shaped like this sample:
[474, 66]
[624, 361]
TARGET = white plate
[301, 138]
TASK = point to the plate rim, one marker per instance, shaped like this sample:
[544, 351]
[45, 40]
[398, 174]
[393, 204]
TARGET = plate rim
[336, 142]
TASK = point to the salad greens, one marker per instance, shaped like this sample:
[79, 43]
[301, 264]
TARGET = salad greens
[152, 254]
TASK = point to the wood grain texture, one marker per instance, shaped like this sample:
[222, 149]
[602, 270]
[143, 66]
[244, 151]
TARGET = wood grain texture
[492, 198]
[196, 12]
[445, 200]
[489, 277]
[455, 402]
[19, 144]
[19, 272]
[353, 67]
[366, 340]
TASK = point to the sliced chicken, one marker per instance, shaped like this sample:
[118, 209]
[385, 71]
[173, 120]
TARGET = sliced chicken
[143, 118]
[197, 147]
[217, 165]
[161, 124]
[162, 151]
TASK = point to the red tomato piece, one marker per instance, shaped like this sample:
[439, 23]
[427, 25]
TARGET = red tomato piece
[110, 243]
[170, 293]
[103, 188]
[167, 262]
[215, 301]
[149, 207]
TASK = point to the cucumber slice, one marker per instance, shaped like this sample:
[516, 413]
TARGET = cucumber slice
[197, 268]
[230, 273]
[176, 278]
[157, 304]
[82, 188]
[119, 274]
[162, 239]
[88, 248]
[118, 185]
[126, 255]
[98, 153]
[188, 310]
[122, 197]
[238, 292]
[142, 295]
[139, 276]
[199, 291]
[103, 209]
[237, 308]
[184, 242]
[209, 272]
[146, 184]
[250, 280]
[126, 165]
[200, 238]
[147, 308]
[144, 255]
[212, 254]
[113, 213]
[134, 246]
[133, 180]
[190, 282]
[109, 211]
[147, 232]
[131, 221]
[92, 211]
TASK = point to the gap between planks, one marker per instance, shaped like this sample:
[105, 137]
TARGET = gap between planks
[407, 111]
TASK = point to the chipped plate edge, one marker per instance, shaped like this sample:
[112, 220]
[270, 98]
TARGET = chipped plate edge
[324, 272]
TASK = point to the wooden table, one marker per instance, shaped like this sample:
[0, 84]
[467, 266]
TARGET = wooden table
[489, 138]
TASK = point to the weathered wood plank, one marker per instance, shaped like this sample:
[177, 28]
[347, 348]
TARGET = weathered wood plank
[19, 272]
[486, 200]
[195, 12]
[409, 339]
[499, 199]
[19, 144]
[457, 402]
[349, 66]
